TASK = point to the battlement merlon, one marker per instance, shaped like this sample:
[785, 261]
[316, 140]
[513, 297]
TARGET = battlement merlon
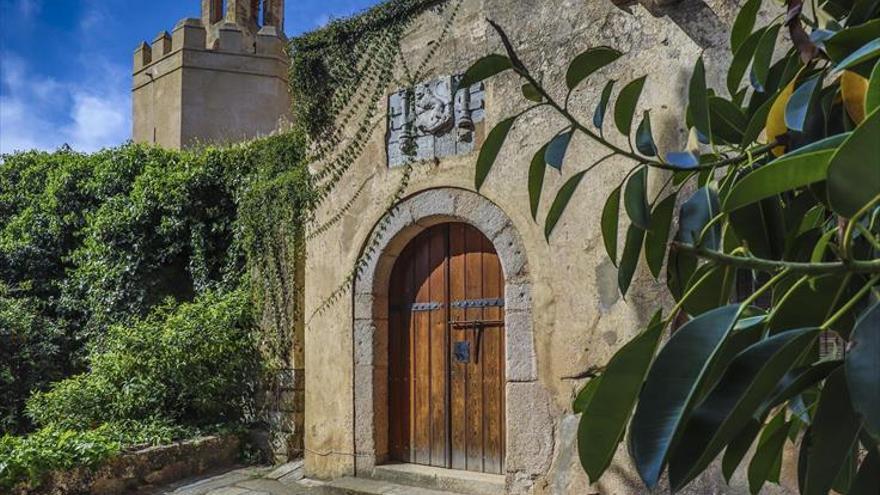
[190, 34]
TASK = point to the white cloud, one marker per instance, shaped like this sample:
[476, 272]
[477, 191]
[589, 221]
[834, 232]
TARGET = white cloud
[37, 112]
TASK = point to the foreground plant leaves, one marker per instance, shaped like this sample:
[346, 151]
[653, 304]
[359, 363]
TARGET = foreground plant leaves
[744, 23]
[589, 62]
[867, 480]
[625, 107]
[537, 169]
[671, 386]
[605, 417]
[562, 198]
[635, 198]
[629, 260]
[610, 221]
[555, 152]
[863, 369]
[835, 430]
[695, 214]
[854, 174]
[767, 461]
[585, 396]
[747, 384]
[791, 171]
[658, 236]
[485, 68]
[490, 149]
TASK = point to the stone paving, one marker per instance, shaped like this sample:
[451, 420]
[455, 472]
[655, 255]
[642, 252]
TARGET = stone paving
[254, 480]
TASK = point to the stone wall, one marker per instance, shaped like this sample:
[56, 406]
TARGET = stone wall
[576, 317]
[138, 470]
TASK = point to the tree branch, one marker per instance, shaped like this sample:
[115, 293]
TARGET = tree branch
[520, 68]
[765, 265]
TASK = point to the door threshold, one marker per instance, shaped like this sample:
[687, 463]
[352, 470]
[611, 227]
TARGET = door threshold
[436, 478]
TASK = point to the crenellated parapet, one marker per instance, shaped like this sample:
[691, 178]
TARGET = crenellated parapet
[219, 77]
[221, 37]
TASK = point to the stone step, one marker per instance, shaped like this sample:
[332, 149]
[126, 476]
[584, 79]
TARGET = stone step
[365, 486]
[448, 480]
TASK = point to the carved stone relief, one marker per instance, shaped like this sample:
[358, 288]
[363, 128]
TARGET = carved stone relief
[431, 122]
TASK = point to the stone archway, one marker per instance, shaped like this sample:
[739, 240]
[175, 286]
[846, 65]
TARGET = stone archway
[530, 452]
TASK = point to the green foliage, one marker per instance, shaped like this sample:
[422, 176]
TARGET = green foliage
[94, 241]
[330, 65]
[30, 356]
[190, 364]
[53, 448]
[25, 460]
[791, 220]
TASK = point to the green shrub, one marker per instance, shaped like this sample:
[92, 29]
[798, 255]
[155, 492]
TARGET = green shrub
[193, 364]
[53, 448]
[30, 356]
[89, 241]
[29, 458]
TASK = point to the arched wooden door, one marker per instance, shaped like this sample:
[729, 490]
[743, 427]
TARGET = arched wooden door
[446, 351]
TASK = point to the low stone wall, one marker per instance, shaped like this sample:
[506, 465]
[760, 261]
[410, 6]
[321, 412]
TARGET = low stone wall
[150, 466]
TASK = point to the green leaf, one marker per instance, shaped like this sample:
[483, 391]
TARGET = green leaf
[867, 480]
[728, 121]
[766, 462]
[670, 388]
[536, 180]
[599, 114]
[682, 159]
[764, 54]
[585, 396]
[698, 98]
[604, 419]
[589, 62]
[610, 219]
[853, 174]
[485, 68]
[712, 286]
[737, 449]
[625, 107]
[761, 225]
[635, 198]
[800, 101]
[742, 26]
[847, 41]
[658, 236]
[757, 122]
[835, 430]
[555, 153]
[863, 368]
[872, 96]
[749, 381]
[490, 149]
[805, 303]
[531, 93]
[790, 171]
[867, 52]
[630, 257]
[799, 379]
[645, 138]
[741, 59]
[562, 198]
[695, 214]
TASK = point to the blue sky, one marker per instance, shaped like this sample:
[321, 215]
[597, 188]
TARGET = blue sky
[65, 64]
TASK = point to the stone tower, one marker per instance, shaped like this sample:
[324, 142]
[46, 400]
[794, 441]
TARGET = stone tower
[218, 79]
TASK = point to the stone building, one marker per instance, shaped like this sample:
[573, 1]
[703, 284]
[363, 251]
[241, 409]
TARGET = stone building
[450, 359]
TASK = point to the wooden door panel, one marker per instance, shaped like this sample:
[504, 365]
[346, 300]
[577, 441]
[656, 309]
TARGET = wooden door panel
[445, 411]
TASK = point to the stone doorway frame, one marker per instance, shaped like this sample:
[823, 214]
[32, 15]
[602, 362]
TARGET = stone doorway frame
[370, 321]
